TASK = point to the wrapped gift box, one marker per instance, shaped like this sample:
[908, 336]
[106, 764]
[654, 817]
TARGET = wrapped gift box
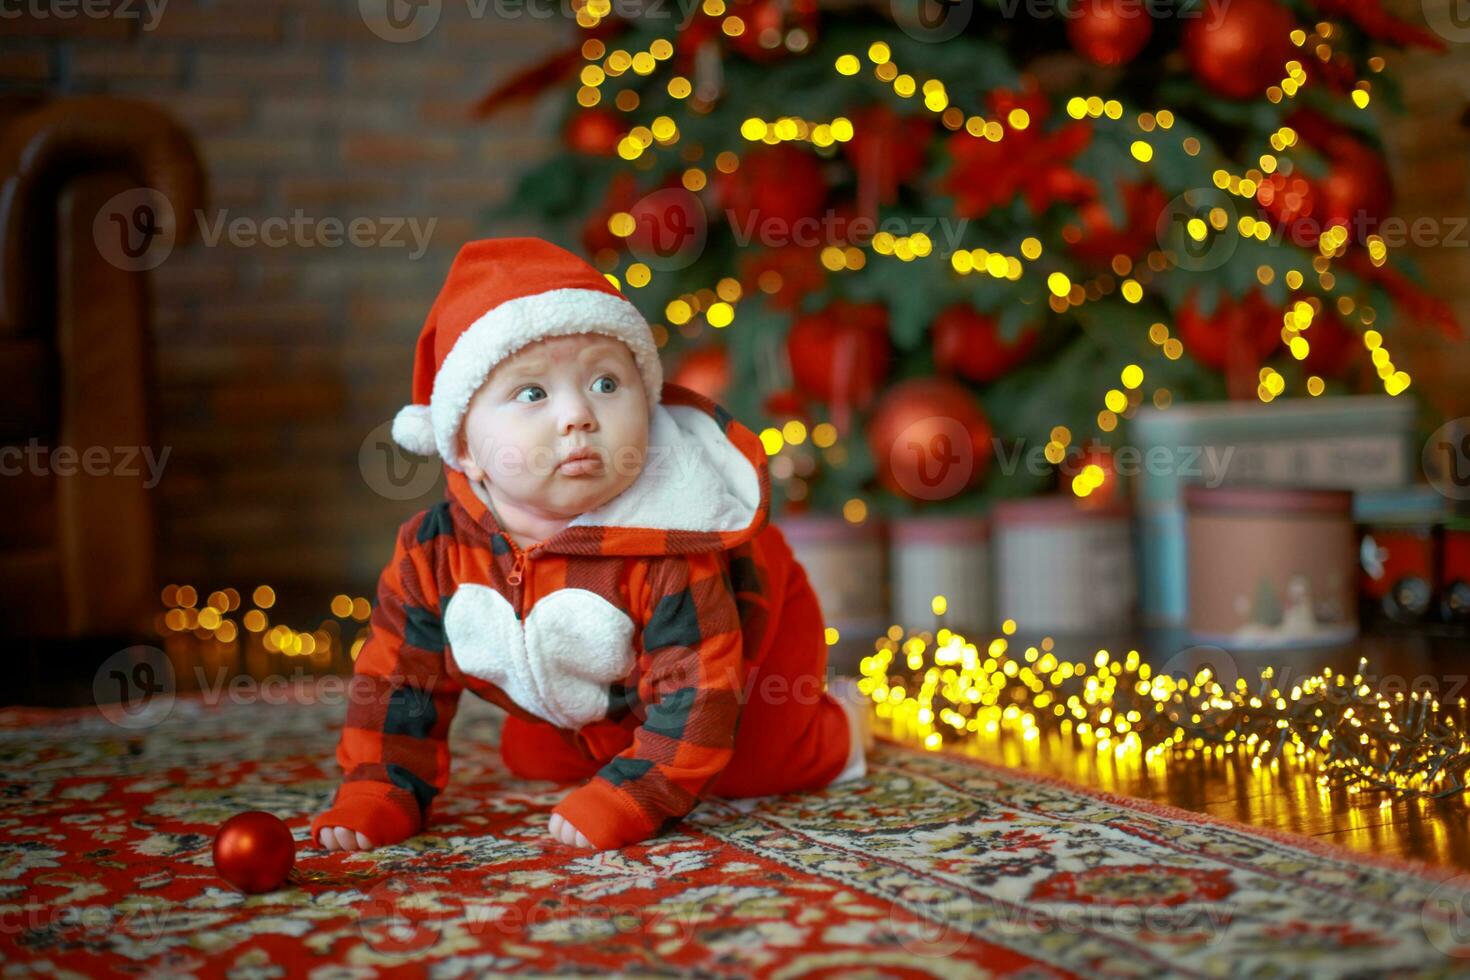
[1359, 442]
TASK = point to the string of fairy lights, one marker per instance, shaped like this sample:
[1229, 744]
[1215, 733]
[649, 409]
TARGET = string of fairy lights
[222, 619]
[939, 688]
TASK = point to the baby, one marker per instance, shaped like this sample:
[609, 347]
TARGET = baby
[602, 567]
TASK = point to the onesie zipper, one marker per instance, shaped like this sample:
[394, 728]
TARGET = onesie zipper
[517, 570]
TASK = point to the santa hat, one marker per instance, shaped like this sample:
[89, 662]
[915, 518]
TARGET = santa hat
[500, 295]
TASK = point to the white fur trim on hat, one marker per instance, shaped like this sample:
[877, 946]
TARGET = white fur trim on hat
[521, 321]
[413, 430]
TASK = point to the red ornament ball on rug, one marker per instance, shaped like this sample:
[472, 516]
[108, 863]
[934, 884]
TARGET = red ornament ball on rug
[254, 851]
[1109, 32]
[968, 343]
[929, 439]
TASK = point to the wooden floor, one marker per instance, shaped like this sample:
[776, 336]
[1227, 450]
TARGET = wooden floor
[1434, 831]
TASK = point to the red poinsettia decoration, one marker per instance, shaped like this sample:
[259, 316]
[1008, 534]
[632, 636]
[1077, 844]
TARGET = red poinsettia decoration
[1026, 161]
[1096, 239]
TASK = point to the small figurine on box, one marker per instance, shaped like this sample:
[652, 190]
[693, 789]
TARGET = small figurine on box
[601, 567]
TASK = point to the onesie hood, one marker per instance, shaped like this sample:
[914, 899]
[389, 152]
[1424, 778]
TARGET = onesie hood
[704, 487]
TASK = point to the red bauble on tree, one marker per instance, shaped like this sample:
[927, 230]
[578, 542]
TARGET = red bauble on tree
[1096, 239]
[1092, 475]
[254, 851]
[594, 131]
[886, 150]
[787, 274]
[1235, 338]
[929, 439]
[840, 354]
[621, 194]
[968, 343]
[1109, 32]
[1241, 48]
[668, 224]
[774, 28]
[706, 370]
[1356, 192]
[773, 188]
[784, 404]
[1331, 345]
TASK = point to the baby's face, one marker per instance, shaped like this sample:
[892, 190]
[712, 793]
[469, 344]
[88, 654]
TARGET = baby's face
[549, 400]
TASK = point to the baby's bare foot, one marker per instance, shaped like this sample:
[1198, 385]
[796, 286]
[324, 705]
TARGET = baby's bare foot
[563, 831]
[343, 839]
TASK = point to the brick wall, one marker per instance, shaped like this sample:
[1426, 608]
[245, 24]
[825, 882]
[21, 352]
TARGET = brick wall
[274, 364]
[1428, 148]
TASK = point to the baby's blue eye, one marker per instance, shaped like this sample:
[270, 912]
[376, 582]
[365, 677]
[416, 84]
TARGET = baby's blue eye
[528, 389]
[612, 382]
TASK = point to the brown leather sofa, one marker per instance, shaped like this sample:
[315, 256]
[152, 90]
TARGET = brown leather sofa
[77, 532]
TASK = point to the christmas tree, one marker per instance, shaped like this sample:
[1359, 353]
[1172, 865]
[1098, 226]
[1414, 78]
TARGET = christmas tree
[885, 235]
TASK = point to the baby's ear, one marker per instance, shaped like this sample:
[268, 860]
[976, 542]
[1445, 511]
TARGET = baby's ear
[466, 462]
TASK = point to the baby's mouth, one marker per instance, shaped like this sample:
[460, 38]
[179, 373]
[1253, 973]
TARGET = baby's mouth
[580, 462]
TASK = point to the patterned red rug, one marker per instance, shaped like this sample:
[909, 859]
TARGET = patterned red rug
[935, 866]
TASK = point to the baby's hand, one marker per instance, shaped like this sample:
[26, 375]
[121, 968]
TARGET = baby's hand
[342, 839]
[566, 833]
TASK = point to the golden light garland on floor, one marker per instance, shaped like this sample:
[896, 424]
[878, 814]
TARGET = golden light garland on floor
[213, 621]
[942, 687]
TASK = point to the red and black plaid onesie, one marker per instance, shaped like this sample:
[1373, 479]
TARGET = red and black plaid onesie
[663, 647]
